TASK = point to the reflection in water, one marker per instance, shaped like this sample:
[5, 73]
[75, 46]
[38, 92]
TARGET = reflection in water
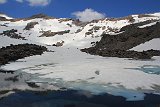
[72, 98]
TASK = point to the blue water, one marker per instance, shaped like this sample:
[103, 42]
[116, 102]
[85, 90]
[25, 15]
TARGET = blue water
[84, 95]
[150, 69]
[73, 98]
[95, 89]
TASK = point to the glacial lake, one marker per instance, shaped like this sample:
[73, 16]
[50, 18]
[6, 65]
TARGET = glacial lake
[73, 98]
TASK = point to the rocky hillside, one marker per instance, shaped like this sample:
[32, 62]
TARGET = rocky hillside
[101, 35]
[49, 30]
[15, 52]
[131, 36]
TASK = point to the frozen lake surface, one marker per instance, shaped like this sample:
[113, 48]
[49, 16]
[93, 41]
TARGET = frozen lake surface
[72, 69]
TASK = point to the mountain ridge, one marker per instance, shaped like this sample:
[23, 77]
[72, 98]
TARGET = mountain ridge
[42, 15]
[74, 31]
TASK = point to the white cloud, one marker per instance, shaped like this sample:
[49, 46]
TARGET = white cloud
[20, 1]
[3, 1]
[31, 2]
[88, 15]
[38, 2]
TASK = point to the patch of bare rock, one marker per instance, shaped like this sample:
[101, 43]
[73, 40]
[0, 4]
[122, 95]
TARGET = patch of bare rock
[15, 52]
[12, 34]
[50, 33]
[119, 45]
[30, 25]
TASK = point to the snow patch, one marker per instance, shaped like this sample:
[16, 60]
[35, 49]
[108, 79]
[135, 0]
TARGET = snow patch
[7, 17]
[147, 25]
[152, 44]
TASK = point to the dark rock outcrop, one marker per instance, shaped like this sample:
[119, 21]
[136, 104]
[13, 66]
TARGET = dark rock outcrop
[50, 34]
[118, 45]
[3, 25]
[64, 20]
[12, 34]
[59, 44]
[145, 15]
[77, 22]
[6, 71]
[33, 85]
[131, 37]
[3, 19]
[43, 16]
[30, 25]
[15, 52]
[123, 53]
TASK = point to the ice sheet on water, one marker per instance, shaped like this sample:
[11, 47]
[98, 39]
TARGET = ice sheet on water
[150, 69]
[73, 69]
[94, 89]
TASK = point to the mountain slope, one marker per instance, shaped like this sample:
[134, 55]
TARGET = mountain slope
[79, 36]
[119, 45]
[68, 67]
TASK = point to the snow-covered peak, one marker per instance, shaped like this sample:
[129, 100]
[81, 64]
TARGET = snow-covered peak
[49, 30]
[5, 16]
[156, 14]
[37, 16]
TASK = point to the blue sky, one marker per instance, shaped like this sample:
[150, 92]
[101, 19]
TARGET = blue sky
[66, 8]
